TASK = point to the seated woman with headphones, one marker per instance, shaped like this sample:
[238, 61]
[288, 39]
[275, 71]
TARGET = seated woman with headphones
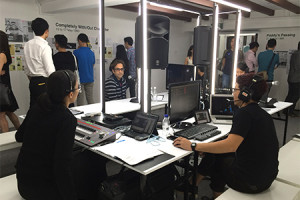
[247, 160]
[45, 165]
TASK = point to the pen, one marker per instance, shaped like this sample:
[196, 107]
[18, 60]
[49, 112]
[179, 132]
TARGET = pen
[120, 141]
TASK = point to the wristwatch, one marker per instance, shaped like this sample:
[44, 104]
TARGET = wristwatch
[193, 146]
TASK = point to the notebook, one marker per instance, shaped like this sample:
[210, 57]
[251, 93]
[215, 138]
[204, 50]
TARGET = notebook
[142, 126]
[221, 108]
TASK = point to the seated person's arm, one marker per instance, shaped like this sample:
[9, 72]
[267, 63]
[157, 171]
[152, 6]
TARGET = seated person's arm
[230, 144]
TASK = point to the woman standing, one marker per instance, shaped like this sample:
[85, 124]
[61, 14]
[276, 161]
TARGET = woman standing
[189, 58]
[5, 61]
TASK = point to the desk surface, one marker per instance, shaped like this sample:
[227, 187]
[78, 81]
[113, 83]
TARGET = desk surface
[289, 163]
[280, 105]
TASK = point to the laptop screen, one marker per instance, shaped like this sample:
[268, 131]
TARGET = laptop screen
[144, 123]
[221, 105]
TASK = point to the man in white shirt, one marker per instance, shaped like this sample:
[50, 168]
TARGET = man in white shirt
[38, 59]
[250, 58]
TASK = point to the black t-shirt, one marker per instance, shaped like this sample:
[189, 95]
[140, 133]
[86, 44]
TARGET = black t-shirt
[257, 156]
[64, 60]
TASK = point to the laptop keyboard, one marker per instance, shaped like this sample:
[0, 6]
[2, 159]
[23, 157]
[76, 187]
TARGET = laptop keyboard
[193, 131]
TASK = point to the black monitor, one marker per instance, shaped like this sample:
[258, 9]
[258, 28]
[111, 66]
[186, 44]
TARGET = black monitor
[183, 100]
[179, 73]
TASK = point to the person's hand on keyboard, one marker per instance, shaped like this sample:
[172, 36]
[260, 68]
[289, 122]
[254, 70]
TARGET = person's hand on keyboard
[183, 143]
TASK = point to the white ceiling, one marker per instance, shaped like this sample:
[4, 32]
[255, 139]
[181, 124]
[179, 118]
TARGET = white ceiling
[273, 6]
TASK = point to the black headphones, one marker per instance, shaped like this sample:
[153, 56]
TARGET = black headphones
[246, 93]
[71, 86]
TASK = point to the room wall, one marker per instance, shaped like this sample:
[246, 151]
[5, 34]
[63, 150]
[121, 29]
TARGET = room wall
[285, 27]
[118, 24]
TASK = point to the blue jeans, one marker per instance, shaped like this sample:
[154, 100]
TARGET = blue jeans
[226, 81]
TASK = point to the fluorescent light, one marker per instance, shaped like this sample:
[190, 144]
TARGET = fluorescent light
[214, 53]
[221, 13]
[101, 26]
[172, 8]
[145, 55]
[226, 3]
[236, 45]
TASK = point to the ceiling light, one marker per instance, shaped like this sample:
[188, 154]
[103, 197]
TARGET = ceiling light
[172, 8]
[226, 3]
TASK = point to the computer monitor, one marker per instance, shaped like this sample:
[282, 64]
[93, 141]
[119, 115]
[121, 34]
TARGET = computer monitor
[221, 105]
[183, 100]
[179, 73]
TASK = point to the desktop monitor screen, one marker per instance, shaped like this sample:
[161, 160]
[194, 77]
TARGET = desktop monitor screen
[183, 100]
[179, 73]
[222, 105]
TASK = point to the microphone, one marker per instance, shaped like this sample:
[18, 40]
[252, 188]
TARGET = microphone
[230, 101]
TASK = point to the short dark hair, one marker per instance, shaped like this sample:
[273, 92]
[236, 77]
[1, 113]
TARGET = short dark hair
[129, 40]
[201, 68]
[271, 43]
[61, 40]
[258, 88]
[253, 45]
[4, 46]
[114, 64]
[39, 26]
[243, 66]
[83, 38]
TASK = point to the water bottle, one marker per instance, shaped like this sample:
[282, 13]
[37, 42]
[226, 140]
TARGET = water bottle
[154, 94]
[165, 126]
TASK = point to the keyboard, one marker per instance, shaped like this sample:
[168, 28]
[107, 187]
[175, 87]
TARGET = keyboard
[207, 135]
[193, 131]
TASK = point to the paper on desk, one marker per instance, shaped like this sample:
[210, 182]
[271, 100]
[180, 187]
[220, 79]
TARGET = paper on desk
[169, 148]
[130, 151]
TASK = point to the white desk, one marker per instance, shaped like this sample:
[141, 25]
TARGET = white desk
[289, 163]
[119, 106]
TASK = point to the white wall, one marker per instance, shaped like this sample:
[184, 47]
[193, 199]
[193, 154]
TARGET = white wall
[118, 24]
[283, 22]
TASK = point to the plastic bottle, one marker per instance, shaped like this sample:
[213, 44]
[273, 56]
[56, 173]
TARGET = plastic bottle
[154, 94]
[165, 126]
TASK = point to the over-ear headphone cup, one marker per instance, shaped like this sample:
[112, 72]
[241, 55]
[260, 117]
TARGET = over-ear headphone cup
[245, 95]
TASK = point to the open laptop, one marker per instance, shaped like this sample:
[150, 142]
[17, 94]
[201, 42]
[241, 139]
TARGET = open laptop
[263, 102]
[221, 108]
[142, 126]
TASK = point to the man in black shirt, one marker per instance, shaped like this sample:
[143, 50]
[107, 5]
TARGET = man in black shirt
[247, 160]
[63, 59]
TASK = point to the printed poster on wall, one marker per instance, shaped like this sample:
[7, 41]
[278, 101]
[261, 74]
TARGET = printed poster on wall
[18, 30]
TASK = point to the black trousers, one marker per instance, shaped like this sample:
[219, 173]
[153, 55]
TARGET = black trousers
[131, 85]
[37, 86]
[220, 168]
[293, 95]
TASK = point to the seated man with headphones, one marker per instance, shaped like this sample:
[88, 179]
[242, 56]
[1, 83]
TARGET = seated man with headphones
[247, 160]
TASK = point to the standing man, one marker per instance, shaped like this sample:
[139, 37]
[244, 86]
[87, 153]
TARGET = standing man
[250, 57]
[227, 64]
[86, 61]
[128, 42]
[115, 85]
[294, 81]
[268, 60]
[63, 59]
[38, 59]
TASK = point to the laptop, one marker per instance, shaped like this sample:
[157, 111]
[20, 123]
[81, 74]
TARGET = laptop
[264, 103]
[142, 126]
[221, 108]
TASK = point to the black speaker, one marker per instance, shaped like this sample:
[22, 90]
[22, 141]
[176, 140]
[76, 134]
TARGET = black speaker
[157, 40]
[202, 45]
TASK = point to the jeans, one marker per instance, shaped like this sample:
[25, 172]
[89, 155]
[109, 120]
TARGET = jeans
[131, 85]
[87, 93]
[226, 81]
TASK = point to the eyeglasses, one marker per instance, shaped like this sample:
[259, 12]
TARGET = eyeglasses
[234, 89]
[155, 139]
[79, 88]
[119, 69]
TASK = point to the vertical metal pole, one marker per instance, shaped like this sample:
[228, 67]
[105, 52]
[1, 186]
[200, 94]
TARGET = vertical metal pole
[145, 78]
[102, 54]
[214, 49]
[236, 45]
